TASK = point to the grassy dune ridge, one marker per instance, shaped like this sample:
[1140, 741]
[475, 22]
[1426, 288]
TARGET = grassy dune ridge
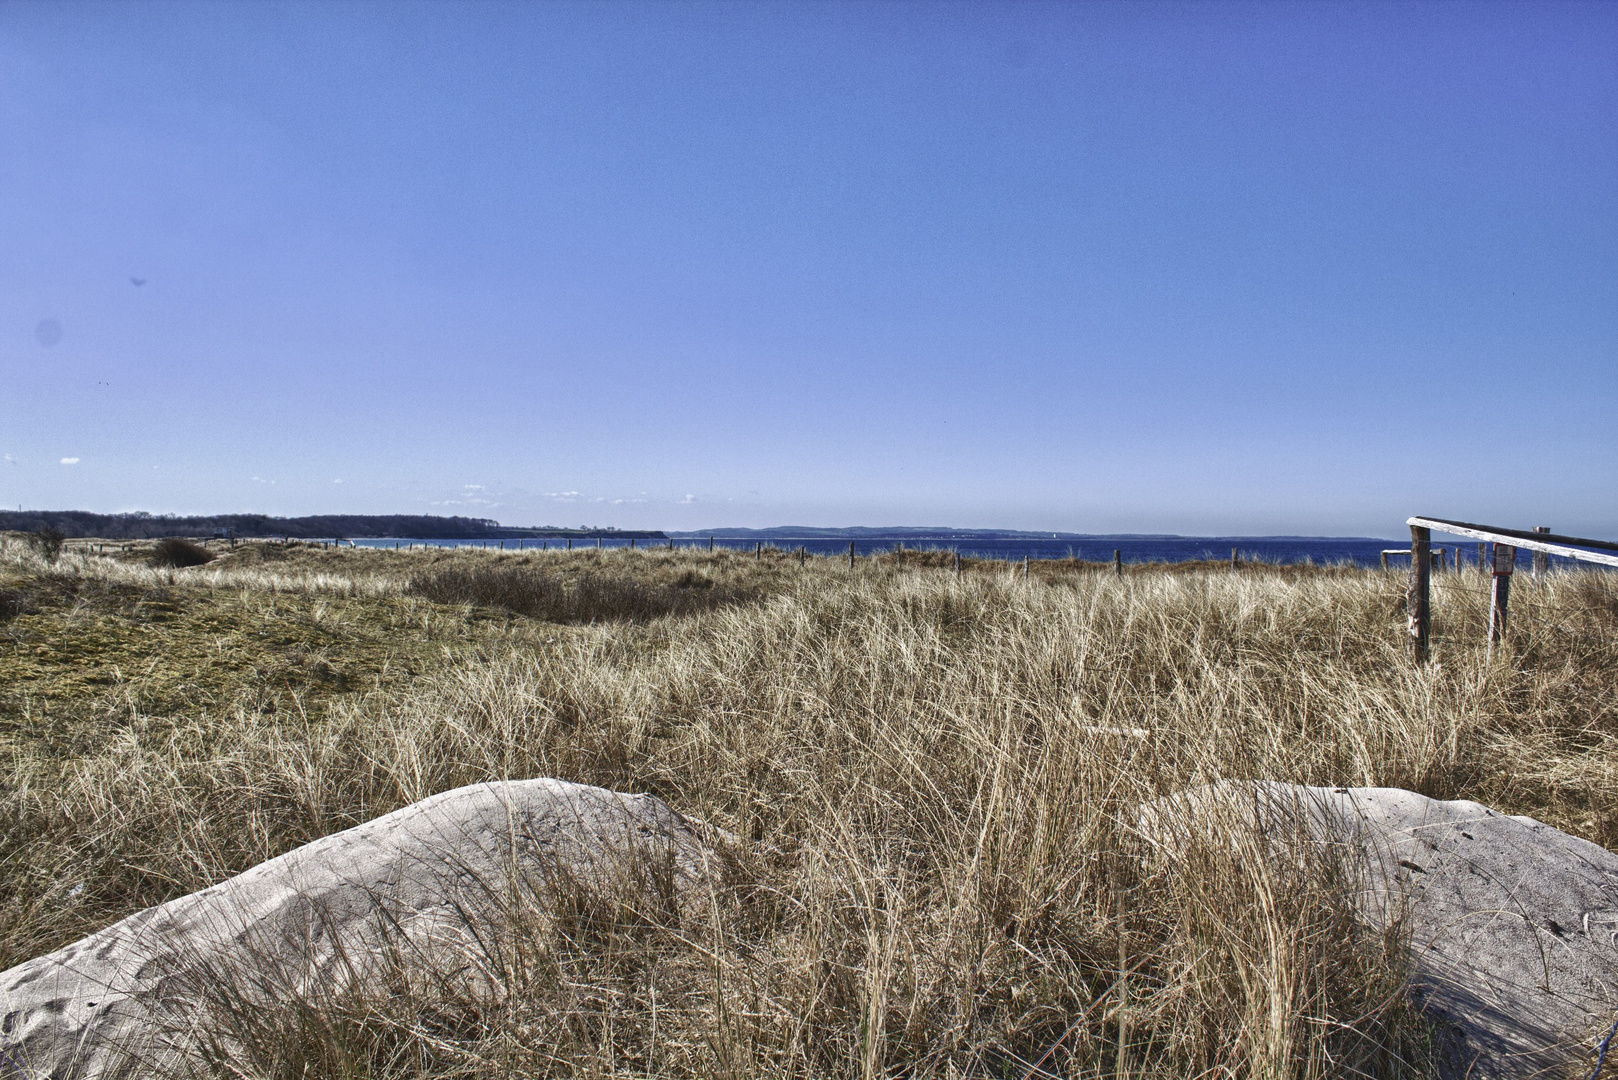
[939, 777]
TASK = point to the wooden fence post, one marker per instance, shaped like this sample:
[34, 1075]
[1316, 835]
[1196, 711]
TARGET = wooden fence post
[1417, 598]
[1117, 563]
[1542, 561]
[1025, 567]
[803, 553]
[1505, 561]
[1235, 558]
[899, 555]
[758, 550]
[710, 543]
[957, 564]
[851, 554]
[1384, 560]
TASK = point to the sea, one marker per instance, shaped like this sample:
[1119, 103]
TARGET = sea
[1320, 550]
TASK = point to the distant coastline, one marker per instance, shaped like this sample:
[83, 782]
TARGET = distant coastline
[76, 524]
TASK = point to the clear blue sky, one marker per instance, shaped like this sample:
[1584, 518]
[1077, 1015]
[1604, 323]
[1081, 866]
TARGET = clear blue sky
[1205, 268]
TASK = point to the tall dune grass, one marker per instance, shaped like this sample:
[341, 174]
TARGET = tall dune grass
[937, 782]
[547, 593]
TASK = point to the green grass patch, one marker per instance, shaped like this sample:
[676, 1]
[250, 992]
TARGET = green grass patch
[82, 658]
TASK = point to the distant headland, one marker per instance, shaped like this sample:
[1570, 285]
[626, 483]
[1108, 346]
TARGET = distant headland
[144, 526]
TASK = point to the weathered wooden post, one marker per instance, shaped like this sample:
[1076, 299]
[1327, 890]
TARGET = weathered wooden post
[671, 543]
[1025, 567]
[1542, 561]
[803, 553]
[710, 543]
[758, 550]
[851, 554]
[570, 543]
[1235, 558]
[899, 555]
[1384, 560]
[1505, 561]
[1117, 563]
[1418, 598]
[957, 564]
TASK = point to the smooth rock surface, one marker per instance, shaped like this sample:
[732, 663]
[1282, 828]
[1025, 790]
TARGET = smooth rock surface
[1513, 925]
[434, 877]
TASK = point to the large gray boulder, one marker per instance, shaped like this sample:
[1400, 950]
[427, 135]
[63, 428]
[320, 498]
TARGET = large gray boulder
[435, 881]
[1513, 925]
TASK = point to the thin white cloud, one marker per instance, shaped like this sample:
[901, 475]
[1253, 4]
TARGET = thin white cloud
[620, 500]
[337, 481]
[70, 461]
[470, 498]
[256, 479]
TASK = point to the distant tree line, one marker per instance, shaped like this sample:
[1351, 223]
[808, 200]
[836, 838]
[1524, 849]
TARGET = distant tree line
[144, 526]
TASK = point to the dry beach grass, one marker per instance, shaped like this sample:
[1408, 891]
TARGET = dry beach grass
[936, 779]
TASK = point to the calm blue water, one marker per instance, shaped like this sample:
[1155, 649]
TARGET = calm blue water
[1361, 551]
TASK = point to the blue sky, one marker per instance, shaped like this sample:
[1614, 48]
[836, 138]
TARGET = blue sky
[1204, 268]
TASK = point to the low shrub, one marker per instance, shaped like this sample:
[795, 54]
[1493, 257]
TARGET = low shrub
[176, 552]
[12, 604]
[573, 598]
[47, 542]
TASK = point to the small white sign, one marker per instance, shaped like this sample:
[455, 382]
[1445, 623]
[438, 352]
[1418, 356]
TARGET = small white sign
[1505, 559]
